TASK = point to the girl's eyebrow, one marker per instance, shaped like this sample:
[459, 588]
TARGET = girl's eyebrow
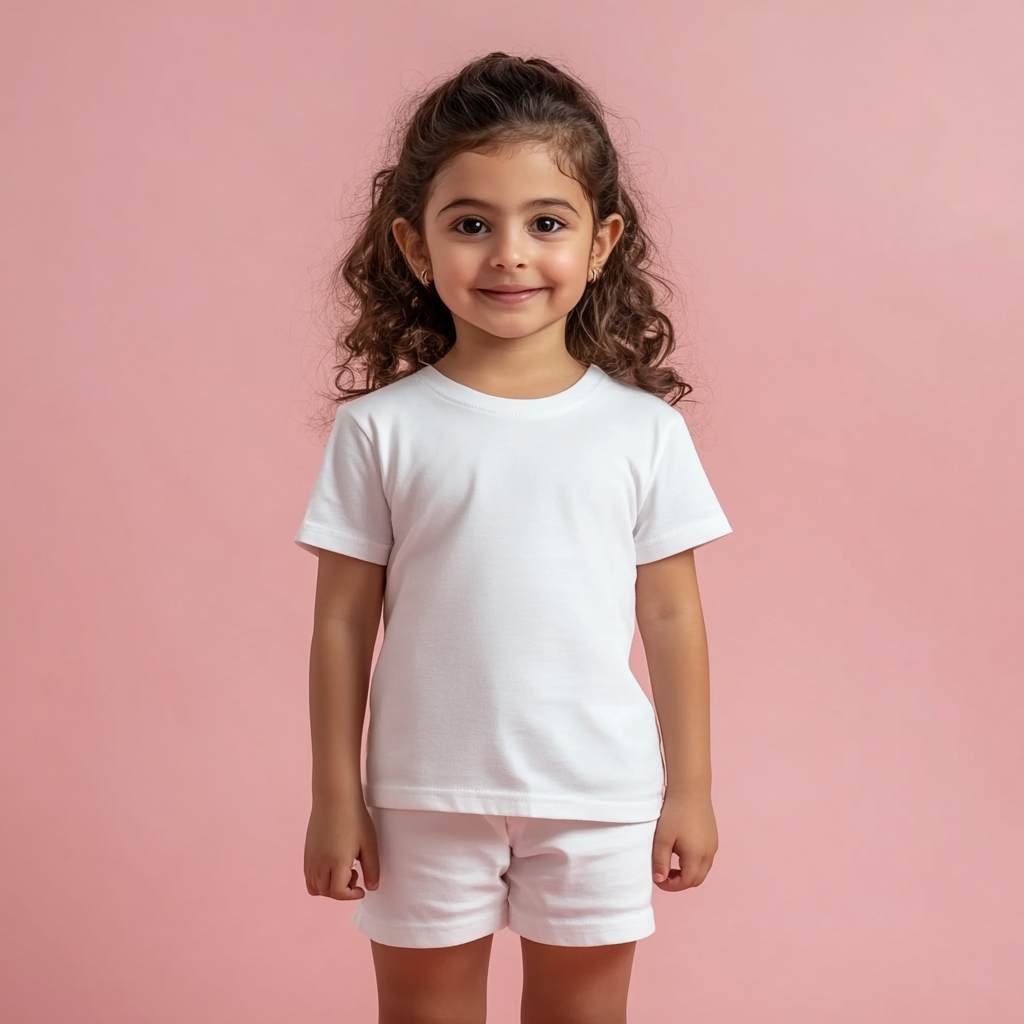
[550, 201]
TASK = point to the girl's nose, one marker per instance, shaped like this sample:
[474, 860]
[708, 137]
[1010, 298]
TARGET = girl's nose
[509, 252]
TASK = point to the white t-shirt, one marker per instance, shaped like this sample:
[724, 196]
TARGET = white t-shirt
[511, 530]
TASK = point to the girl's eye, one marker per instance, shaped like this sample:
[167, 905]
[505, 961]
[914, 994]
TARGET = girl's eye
[548, 225]
[470, 226]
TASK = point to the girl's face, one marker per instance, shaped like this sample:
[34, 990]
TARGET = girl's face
[509, 241]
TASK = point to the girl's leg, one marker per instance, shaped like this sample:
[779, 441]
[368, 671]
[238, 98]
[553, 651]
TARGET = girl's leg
[443, 985]
[575, 984]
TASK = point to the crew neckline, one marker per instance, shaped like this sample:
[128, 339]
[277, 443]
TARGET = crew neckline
[462, 394]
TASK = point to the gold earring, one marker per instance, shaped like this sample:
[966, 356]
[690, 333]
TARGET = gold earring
[423, 276]
[595, 273]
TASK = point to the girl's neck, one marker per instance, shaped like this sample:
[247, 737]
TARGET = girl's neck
[534, 367]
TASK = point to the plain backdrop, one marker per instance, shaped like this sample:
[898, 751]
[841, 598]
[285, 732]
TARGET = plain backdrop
[839, 187]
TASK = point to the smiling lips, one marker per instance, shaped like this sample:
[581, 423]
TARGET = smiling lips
[510, 295]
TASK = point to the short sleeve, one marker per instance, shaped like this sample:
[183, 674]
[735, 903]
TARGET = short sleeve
[348, 511]
[680, 510]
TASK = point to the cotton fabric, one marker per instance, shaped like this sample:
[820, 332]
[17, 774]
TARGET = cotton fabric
[448, 878]
[511, 530]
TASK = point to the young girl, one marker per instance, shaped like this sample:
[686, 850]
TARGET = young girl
[513, 491]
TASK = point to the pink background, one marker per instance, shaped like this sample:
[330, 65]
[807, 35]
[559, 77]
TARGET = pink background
[843, 186]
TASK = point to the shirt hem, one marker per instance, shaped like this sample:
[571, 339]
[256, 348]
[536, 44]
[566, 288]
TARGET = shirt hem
[313, 538]
[572, 808]
[683, 540]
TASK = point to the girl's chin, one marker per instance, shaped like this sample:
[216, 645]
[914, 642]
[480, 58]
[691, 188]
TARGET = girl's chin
[513, 322]
[510, 328]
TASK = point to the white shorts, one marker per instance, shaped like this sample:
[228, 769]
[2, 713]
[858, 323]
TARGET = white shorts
[448, 878]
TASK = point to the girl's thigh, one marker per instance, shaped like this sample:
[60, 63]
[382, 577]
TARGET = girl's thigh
[445, 983]
[576, 984]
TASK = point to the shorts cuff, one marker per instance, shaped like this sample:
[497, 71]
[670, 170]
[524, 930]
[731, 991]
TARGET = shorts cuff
[427, 935]
[595, 932]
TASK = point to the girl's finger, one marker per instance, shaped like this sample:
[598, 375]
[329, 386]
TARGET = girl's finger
[369, 861]
[705, 867]
[699, 871]
[661, 859]
[673, 883]
[694, 871]
[340, 890]
[323, 880]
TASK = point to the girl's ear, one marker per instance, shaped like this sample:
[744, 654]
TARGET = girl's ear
[609, 231]
[409, 241]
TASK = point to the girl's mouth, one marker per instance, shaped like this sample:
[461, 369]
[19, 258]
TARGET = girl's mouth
[510, 297]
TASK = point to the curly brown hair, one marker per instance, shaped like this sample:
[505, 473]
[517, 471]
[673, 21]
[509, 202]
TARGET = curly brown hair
[394, 326]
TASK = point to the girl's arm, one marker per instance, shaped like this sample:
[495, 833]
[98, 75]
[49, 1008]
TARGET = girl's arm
[671, 623]
[349, 595]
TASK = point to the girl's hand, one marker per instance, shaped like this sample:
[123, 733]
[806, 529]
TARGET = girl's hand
[339, 834]
[687, 827]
